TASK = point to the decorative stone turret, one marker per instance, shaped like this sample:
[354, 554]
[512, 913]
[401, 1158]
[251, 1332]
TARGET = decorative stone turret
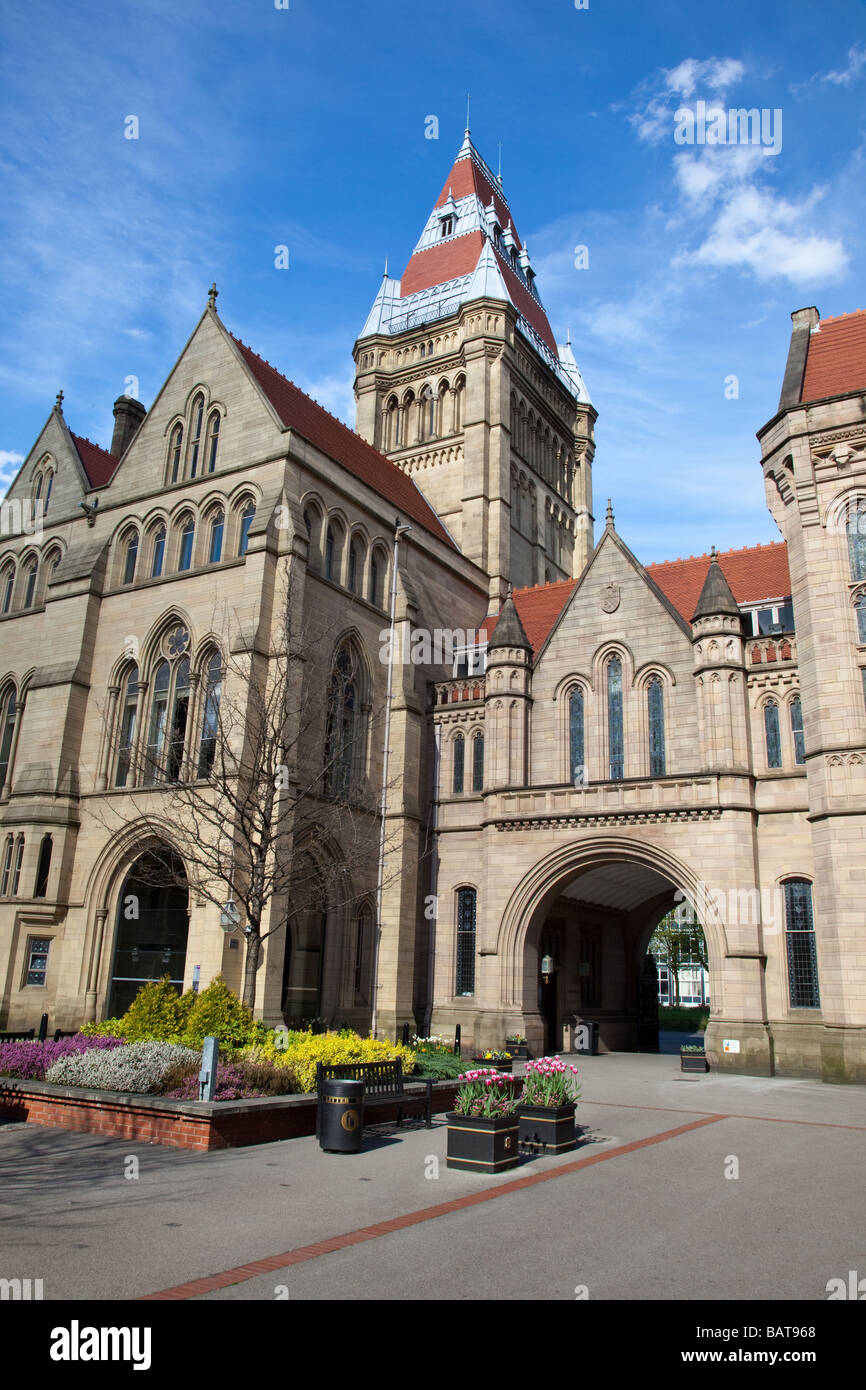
[507, 698]
[720, 674]
[128, 415]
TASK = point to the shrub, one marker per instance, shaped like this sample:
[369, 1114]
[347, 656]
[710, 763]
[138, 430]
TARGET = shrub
[30, 1060]
[108, 1028]
[139, 1066]
[218, 1012]
[306, 1049]
[442, 1066]
[235, 1081]
[155, 1013]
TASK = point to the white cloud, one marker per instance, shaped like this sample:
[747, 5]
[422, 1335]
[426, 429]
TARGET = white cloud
[715, 73]
[10, 462]
[756, 230]
[854, 70]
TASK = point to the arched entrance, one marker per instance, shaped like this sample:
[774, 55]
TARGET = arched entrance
[586, 913]
[306, 940]
[152, 928]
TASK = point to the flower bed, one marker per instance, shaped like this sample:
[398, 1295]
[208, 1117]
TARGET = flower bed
[29, 1060]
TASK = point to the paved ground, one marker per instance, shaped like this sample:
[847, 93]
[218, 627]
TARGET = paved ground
[642, 1210]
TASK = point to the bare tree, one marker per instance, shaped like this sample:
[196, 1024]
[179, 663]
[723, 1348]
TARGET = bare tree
[273, 755]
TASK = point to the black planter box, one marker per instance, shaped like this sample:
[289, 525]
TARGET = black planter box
[519, 1051]
[482, 1063]
[482, 1144]
[545, 1129]
[694, 1061]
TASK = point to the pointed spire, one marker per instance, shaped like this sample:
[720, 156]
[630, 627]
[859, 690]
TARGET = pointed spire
[509, 630]
[716, 599]
[385, 276]
[58, 402]
[487, 282]
[608, 517]
[467, 113]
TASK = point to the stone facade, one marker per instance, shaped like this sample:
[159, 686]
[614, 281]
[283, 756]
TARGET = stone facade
[616, 743]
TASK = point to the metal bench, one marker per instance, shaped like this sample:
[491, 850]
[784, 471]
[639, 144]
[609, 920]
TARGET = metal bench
[26, 1036]
[383, 1086]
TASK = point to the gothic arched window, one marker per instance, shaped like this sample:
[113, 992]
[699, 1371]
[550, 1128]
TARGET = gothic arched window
[158, 557]
[656, 718]
[179, 717]
[30, 585]
[8, 717]
[195, 446]
[210, 715]
[343, 751]
[247, 515]
[130, 558]
[354, 565]
[860, 609]
[466, 912]
[771, 734]
[187, 536]
[800, 941]
[175, 451]
[478, 763]
[459, 756]
[576, 763]
[8, 582]
[616, 754]
[330, 550]
[797, 730]
[213, 439]
[217, 526]
[43, 867]
[856, 528]
[158, 717]
[127, 726]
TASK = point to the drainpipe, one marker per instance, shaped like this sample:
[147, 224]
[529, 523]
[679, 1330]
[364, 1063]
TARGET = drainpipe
[398, 532]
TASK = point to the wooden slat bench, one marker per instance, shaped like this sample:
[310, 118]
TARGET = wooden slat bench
[383, 1087]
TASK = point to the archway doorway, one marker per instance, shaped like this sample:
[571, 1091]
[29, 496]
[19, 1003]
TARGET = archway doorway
[592, 930]
[152, 928]
[306, 939]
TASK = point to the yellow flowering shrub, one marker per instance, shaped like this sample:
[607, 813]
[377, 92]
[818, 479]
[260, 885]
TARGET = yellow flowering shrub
[305, 1050]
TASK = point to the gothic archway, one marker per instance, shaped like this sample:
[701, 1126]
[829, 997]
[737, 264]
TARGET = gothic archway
[152, 928]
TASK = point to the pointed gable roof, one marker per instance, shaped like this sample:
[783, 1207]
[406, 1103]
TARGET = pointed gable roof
[508, 630]
[455, 263]
[299, 412]
[836, 357]
[716, 598]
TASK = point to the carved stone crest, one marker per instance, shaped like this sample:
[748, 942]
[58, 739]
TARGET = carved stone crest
[611, 595]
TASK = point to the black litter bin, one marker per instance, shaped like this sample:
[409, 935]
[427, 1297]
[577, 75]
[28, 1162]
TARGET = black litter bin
[586, 1038]
[341, 1116]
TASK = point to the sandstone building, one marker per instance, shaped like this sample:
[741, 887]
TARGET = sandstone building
[619, 739]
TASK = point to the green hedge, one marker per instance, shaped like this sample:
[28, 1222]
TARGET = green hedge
[684, 1020]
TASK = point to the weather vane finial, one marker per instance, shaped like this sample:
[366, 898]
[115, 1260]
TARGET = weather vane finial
[467, 113]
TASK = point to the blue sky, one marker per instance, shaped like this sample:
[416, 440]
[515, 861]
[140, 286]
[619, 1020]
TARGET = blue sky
[305, 127]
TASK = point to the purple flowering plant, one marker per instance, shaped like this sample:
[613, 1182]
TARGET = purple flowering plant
[29, 1059]
[487, 1092]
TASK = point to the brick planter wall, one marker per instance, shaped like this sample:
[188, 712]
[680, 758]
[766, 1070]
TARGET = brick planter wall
[182, 1124]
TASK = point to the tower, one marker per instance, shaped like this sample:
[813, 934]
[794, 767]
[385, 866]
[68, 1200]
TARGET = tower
[460, 380]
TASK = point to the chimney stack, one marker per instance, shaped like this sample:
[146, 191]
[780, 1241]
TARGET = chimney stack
[128, 415]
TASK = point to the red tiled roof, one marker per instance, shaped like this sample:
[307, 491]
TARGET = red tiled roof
[447, 260]
[98, 464]
[538, 609]
[444, 261]
[836, 360]
[754, 573]
[312, 422]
